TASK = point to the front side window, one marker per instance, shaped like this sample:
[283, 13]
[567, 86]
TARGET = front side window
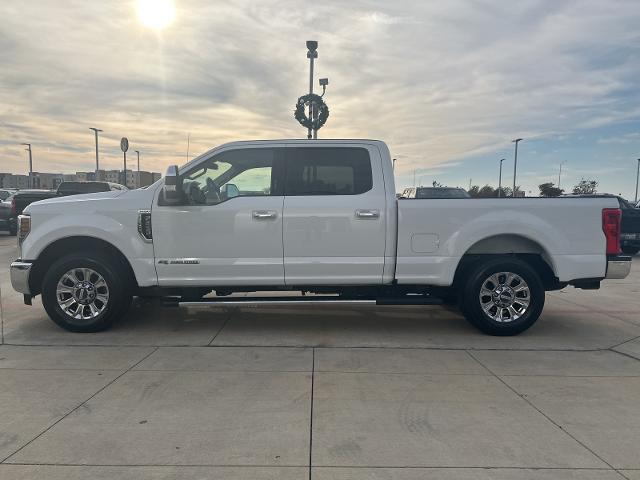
[234, 173]
[328, 171]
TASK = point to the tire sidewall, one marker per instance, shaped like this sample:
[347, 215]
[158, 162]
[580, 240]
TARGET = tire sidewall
[471, 302]
[111, 275]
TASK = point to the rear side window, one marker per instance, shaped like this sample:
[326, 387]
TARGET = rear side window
[328, 171]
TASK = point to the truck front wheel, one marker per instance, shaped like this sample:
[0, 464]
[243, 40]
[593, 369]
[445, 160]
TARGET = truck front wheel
[85, 292]
[503, 297]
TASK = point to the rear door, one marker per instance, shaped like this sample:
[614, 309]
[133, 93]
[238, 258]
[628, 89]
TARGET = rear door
[334, 215]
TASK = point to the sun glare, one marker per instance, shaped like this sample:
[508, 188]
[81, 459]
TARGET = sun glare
[156, 14]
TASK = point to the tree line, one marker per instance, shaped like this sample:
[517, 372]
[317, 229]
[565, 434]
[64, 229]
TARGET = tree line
[548, 189]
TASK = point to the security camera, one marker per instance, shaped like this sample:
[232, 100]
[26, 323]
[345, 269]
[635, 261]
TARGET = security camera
[312, 45]
[324, 82]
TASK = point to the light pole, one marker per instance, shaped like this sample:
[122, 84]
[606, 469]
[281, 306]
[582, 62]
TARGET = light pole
[96, 130]
[560, 173]
[28, 145]
[500, 178]
[515, 164]
[138, 152]
[637, 179]
[312, 54]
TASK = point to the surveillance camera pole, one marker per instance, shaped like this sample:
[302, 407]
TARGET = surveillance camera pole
[312, 54]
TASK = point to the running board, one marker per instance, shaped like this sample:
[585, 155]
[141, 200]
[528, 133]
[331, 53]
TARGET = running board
[308, 300]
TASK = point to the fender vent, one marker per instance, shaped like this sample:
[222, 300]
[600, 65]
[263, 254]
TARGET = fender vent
[144, 225]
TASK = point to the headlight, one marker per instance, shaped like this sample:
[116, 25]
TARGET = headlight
[24, 227]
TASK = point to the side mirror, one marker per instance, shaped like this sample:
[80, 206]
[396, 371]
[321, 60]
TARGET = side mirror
[172, 190]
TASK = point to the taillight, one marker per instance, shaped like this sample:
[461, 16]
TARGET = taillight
[13, 206]
[611, 218]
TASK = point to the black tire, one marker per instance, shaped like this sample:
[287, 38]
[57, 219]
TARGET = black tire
[630, 250]
[523, 317]
[118, 289]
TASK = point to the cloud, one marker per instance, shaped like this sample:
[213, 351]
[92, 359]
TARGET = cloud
[439, 81]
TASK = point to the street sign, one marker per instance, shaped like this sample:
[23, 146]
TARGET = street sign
[124, 144]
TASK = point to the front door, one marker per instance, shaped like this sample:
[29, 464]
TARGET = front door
[229, 231]
[334, 216]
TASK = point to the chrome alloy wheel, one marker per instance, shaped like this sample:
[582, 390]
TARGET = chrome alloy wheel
[504, 297]
[82, 293]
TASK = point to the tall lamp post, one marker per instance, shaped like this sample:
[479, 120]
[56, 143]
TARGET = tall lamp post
[500, 178]
[312, 54]
[28, 145]
[560, 173]
[637, 178]
[96, 130]
[138, 153]
[515, 164]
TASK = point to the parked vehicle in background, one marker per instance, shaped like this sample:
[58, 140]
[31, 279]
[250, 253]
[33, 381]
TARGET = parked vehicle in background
[630, 228]
[78, 188]
[316, 217]
[435, 192]
[6, 193]
[15, 205]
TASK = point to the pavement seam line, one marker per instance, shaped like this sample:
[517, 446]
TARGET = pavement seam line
[351, 467]
[624, 354]
[224, 324]
[80, 404]
[558, 426]
[622, 343]
[313, 374]
[601, 312]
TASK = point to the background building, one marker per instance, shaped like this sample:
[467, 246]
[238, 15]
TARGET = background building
[50, 181]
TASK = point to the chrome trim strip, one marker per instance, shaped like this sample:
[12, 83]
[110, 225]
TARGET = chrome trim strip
[250, 303]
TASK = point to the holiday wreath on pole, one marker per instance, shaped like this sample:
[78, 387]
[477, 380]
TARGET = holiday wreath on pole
[320, 109]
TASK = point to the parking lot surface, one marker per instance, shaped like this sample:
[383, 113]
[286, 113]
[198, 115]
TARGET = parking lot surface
[393, 393]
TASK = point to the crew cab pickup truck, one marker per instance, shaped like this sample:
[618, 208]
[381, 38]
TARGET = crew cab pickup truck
[315, 216]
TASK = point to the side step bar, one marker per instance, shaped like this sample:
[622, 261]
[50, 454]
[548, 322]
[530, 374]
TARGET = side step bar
[309, 300]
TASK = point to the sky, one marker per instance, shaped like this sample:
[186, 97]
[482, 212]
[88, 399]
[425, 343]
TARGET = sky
[447, 84]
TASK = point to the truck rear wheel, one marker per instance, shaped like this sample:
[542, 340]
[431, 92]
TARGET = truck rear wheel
[503, 297]
[85, 292]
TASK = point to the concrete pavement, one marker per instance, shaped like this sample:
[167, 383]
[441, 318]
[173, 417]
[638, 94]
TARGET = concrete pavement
[401, 393]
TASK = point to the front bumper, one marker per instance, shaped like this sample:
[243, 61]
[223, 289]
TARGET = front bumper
[618, 266]
[20, 271]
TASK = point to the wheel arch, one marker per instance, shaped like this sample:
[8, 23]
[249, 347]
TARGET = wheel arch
[509, 246]
[79, 243]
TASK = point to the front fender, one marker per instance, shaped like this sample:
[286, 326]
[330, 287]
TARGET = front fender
[118, 230]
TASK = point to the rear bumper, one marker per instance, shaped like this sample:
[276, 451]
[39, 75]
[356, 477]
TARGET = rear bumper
[630, 239]
[618, 266]
[20, 272]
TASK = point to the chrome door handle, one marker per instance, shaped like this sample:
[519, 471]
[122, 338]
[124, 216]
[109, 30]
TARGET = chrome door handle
[264, 214]
[367, 214]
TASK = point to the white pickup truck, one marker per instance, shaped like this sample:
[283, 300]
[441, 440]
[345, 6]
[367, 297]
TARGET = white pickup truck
[317, 217]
